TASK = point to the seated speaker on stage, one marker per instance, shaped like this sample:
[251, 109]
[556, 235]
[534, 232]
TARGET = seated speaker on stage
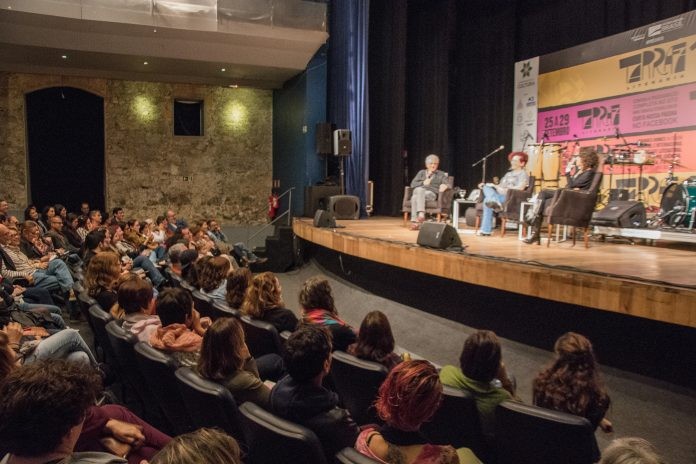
[494, 194]
[427, 185]
[579, 174]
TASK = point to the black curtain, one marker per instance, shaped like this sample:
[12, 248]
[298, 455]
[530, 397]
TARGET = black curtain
[441, 75]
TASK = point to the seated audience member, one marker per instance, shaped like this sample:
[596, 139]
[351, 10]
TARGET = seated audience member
[134, 308]
[572, 382]
[215, 232]
[42, 412]
[33, 244]
[84, 226]
[237, 284]
[97, 241]
[182, 327]
[108, 428]
[12, 298]
[4, 207]
[376, 341]
[581, 179]
[51, 274]
[630, 450]
[494, 194]
[189, 266]
[46, 214]
[204, 244]
[225, 359]
[202, 446]
[70, 232]
[57, 236]
[101, 277]
[300, 396]
[139, 259]
[482, 372]
[212, 280]
[174, 255]
[317, 304]
[263, 300]
[96, 217]
[118, 216]
[32, 344]
[61, 211]
[31, 213]
[84, 208]
[407, 398]
[159, 231]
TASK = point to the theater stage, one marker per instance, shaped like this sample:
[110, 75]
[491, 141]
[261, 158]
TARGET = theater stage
[656, 282]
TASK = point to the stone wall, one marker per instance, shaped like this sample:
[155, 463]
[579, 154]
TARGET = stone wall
[229, 168]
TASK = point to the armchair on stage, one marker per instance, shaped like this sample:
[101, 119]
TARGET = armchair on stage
[440, 206]
[574, 208]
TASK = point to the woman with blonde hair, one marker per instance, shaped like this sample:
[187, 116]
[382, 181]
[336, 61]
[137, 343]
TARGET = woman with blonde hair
[212, 278]
[103, 272]
[263, 300]
[203, 445]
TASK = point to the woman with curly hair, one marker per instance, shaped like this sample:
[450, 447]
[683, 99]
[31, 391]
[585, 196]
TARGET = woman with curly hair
[263, 300]
[212, 278]
[408, 397]
[376, 341]
[572, 382]
[103, 272]
[317, 302]
[237, 284]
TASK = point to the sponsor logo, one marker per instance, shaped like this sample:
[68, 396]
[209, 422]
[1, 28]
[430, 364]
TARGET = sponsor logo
[531, 101]
[600, 118]
[658, 64]
[638, 35]
[526, 69]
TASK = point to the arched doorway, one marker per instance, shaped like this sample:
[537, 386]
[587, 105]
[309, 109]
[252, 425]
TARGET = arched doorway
[65, 145]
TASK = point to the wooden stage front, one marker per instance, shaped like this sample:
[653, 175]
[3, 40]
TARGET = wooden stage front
[655, 282]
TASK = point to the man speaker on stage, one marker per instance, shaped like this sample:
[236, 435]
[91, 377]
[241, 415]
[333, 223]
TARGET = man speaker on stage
[427, 185]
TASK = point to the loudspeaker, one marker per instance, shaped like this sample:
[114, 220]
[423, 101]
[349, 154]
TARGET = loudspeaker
[322, 138]
[323, 218]
[624, 214]
[344, 207]
[317, 197]
[438, 235]
[342, 142]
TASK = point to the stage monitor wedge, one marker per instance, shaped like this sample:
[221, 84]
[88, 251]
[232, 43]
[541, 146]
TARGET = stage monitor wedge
[344, 206]
[323, 219]
[438, 235]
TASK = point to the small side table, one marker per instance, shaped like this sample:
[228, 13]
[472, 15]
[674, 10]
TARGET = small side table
[455, 210]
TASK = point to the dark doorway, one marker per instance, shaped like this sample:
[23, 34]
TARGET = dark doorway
[65, 141]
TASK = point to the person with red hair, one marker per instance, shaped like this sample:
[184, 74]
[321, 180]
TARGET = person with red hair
[408, 397]
[494, 194]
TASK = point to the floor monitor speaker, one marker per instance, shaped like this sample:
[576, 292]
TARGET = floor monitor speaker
[624, 214]
[438, 235]
[323, 218]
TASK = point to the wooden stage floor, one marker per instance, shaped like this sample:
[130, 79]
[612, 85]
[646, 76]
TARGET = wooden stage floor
[656, 282]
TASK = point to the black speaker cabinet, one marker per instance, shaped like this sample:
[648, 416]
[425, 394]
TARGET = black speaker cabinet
[323, 218]
[342, 142]
[344, 207]
[317, 197]
[624, 214]
[322, 138]
[438, 235]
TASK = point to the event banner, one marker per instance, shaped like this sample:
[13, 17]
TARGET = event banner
[524, 126]
[631, 97]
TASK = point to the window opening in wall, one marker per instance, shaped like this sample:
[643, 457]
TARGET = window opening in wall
[188, 117]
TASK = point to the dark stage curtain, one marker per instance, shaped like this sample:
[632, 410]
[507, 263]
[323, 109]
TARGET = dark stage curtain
[441, 76]
[348, 87]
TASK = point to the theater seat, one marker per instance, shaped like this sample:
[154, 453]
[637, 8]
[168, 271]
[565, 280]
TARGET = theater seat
[203, 304]
[158, 370]
[526, 434]
[261, 337]
[456, 422]
[208, 403]
[357, 381]
[222, 309]
[98, 319]
[271, 439]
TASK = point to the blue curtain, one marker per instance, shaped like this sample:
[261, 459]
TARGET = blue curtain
[348, 98]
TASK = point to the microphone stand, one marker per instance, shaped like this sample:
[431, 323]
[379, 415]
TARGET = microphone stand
[483, 160]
